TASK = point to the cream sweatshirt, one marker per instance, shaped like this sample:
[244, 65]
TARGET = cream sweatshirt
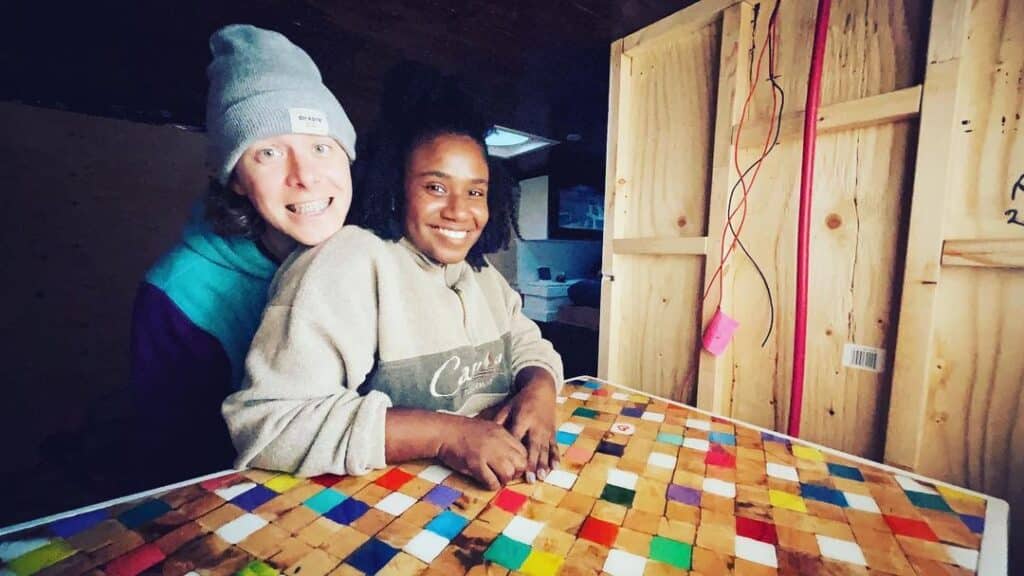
[359, 324]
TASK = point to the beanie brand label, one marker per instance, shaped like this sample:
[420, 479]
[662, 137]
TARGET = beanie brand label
[308, 121]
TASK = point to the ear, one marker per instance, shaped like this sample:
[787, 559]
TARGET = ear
[237, 186]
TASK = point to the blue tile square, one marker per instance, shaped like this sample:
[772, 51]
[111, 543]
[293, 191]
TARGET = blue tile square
[68, 527]
[722, 438]
[347, 512]
[823, 494]
[975, 523]
[591, 384]
[848, 472]
[632, 412]
[371, 556]
[254, 497]
[611, 448]
[143, 513]
[674, 439]
[324, 500]
[566, 438]
[769, 437]
[447, 524]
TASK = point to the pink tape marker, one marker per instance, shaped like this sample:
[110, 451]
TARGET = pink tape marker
[719, 333]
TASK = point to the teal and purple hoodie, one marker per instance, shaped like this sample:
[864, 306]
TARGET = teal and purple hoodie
[194, 317]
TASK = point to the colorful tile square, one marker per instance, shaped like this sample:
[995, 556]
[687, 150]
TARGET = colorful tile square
[447, 524]
[442, 496]
[324, 500]
[671, 552]
[683, 494]
[371, 556]
[722, 438]
[599, 531]
[68, 527]
[541, 563]
[822, 494]
[565, 438]
[930, 501]
[509, 500]
[910, 527]
[848, 472]
[143, 513]
[507, 552]
[350, 510]
[585, 413]
[394, 479]
[618, 495]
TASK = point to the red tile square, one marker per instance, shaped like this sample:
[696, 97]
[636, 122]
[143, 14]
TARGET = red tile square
[509, 500]
[221, 481]
[718, 456]
[326, 480]
[910, 527]
[756, 529]
[134, 562]
[604, 533]
[394, 479]
[601, 392]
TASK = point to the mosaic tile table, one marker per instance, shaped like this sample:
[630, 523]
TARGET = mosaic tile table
[645, 487]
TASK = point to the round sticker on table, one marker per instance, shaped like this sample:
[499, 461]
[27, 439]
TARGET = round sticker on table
[624, 428]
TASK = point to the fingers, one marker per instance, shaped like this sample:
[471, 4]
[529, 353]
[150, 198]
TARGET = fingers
[533, 459]
[502, 416]
[554, 457]
[487, 477]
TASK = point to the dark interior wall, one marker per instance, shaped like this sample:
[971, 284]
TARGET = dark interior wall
[90, 203]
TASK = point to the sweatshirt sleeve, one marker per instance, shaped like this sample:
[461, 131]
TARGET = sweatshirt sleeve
[299, 409]
[529, 348]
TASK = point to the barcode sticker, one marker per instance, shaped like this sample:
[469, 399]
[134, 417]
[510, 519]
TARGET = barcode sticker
[864, 357]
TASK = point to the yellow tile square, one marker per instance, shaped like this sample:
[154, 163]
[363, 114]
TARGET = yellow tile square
[540, 563]
[807, 453]
[283, 483]
[781, 499]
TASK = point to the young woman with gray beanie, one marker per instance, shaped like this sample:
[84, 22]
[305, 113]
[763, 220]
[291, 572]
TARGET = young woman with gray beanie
[280, 147]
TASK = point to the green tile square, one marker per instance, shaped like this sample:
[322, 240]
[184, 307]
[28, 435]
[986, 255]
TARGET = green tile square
[507, 552]
[585, 412]
[257, 568]
[932, 501]
[40, 558]
[324, 500]
[618, 495]
[674, 552]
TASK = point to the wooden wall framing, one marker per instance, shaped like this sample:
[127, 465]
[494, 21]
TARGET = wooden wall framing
[913, 246]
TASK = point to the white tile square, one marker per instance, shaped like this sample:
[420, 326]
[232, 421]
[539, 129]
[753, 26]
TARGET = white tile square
[843, 550]
[720, 487]
[697, 444]
[861, 502]
[619, 396]
[964, 557]
[571, 428]
[395, 503]
[782, 472]
[622, 563]
[11, 550]
[435, 473]
[913, 485]
[426, 546]
[561, 478]
[662, 460]
[622, 479]
[523, 529]
[698, 424]
[560, 400]
[653, 416]
[240, 528]
[231, 492]
[756, 551]
[580, 395]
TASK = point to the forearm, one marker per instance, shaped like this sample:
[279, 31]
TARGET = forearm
[535, 377]
[411, 434]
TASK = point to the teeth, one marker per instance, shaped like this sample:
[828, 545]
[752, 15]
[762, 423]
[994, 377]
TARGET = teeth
[453, 234]
[312, 207]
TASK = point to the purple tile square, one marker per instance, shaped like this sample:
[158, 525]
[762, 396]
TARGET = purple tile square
[442, 496]
[683, 495]
[632, 412]
[68, 527]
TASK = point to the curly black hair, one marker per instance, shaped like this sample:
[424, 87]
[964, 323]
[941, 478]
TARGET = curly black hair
[427, 106]
[231, 214]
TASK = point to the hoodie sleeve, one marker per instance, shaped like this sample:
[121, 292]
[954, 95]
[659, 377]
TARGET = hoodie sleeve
[299, 409]
[529, 348]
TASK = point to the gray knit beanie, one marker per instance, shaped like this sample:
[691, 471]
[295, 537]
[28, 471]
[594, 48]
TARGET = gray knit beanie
[262, 85]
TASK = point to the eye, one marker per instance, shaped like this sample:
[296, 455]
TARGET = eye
[478, 193]
[435, 189]
[322, 149]
[269, 153]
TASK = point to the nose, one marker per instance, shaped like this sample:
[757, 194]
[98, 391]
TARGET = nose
[456, 207]
[303, 171]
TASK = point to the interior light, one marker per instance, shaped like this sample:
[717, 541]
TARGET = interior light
[502, 137]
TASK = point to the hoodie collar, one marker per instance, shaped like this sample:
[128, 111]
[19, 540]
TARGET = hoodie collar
[453, 274]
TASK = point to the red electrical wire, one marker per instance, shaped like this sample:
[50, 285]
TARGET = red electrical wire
[723, 254]
[804, 230]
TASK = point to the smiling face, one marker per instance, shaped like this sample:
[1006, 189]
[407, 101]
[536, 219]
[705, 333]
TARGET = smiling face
[301, 186]
[446, 197]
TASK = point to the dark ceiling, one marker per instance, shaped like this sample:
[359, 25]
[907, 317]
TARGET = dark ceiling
[538, 65]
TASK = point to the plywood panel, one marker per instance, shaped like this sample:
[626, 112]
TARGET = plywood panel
[861, 184]
[668, 128]
[656, 314]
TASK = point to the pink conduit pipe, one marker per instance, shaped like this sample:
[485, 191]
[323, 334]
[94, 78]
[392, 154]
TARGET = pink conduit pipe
[803, 241]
